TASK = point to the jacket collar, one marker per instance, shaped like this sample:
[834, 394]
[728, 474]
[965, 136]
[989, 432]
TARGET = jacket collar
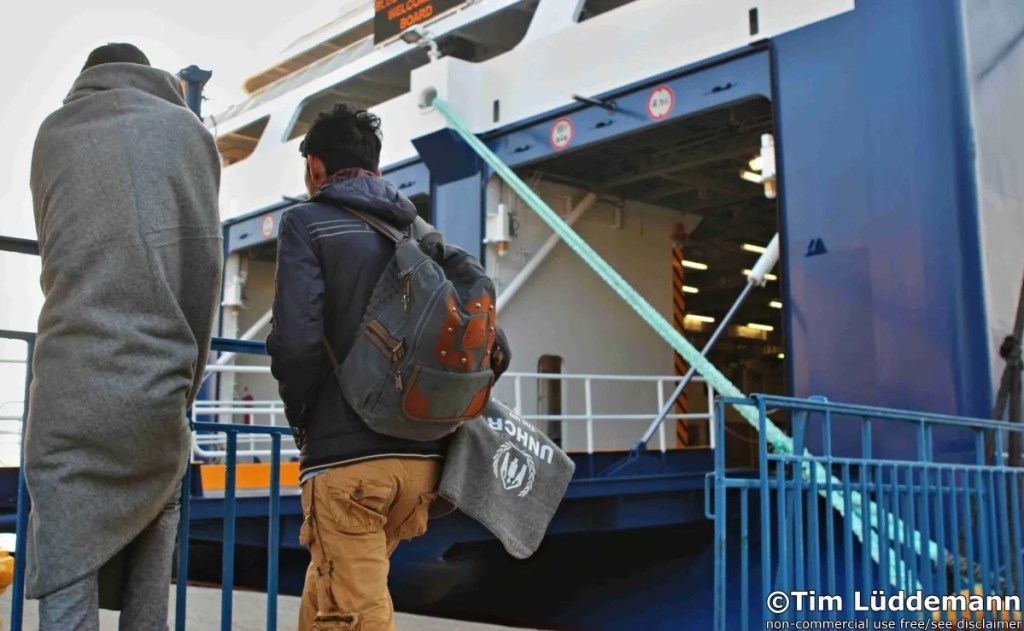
[344, 175]
[120, 76]
[367, 192]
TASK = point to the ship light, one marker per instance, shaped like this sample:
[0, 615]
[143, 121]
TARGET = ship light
[417, 36]
[750, 176]
[699, 318]
[750, 247]
[775, 304]
[498, 229]
[694, 264]
[690, 290]
[746, 272]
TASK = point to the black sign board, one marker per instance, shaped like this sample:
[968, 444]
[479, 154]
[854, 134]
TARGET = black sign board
[391, 17]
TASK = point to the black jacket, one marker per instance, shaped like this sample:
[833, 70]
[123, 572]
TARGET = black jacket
[328, 263]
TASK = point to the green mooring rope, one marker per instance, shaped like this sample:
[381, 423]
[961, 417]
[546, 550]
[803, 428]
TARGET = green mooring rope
[780, 442]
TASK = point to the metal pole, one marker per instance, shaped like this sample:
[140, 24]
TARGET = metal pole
[667, 407]
[274, 531]
[193, 79]
[21, 540]
[181, 588]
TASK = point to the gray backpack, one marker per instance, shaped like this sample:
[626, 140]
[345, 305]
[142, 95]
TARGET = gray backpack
[421, 363]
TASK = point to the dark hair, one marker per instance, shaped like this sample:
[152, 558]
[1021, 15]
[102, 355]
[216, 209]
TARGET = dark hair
[344, 138]
[115, 53]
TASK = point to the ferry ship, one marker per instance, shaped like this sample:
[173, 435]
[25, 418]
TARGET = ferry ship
[861, 151]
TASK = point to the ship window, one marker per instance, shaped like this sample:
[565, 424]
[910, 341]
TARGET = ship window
[375, 86]
[311, 53]
[238, 145]
[424, 208]
[491, 36]
[478, 41]
[594, 8]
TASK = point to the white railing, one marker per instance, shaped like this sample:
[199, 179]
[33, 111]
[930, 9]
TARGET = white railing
[11, 410]
[579, 406]
[269, 412]
[589, 416]
[599, 410]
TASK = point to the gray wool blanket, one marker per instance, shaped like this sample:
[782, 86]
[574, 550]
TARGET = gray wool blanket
[508, 475]
[124, 182]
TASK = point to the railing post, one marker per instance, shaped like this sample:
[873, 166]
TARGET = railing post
[714, 411]
[18, 589]
[181, 588]
[661, 402]
[274, 531]
[228, 568]
[589, 402]
[589, 409]
[720, 541]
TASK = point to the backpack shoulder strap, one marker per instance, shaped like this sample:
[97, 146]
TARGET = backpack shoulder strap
[386, 229]
[330, 353]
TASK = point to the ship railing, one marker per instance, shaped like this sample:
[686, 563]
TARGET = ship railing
[11, 410]
[924, 511]
[590, 400]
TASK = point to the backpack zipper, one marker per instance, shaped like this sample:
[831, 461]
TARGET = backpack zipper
[406, 275]
[421, 324]
[385, 343]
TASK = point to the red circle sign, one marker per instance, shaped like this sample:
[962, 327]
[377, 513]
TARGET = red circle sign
[561, 134]
[661, 102]
[267, 228]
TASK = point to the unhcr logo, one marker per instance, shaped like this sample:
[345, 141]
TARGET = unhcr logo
[514, 468]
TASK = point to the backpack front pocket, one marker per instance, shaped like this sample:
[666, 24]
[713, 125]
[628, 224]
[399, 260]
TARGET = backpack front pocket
[437, 395]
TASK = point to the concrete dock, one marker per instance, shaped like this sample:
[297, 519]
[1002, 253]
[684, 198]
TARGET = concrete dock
[249, 614]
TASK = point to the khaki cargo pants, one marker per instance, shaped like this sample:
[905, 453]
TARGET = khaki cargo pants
[354, 517]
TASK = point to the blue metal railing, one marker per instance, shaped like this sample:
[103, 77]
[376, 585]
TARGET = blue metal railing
[969, 508]
[230, 505]
[18, 588]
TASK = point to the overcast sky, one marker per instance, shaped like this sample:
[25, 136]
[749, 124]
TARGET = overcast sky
[43, 46]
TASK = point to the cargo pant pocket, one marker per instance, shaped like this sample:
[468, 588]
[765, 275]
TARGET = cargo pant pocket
[416, 524]
[361, 508]
[306, 531]
[338, 622]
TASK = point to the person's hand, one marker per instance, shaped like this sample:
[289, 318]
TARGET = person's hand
[501, 355]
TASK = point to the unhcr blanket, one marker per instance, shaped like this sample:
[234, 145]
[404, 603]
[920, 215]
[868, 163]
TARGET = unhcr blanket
[508, 475]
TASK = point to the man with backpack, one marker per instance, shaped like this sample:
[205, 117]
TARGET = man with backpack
[364, 491]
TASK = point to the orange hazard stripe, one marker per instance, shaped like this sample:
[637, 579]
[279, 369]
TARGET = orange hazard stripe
[678, 313]
[248, 475]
